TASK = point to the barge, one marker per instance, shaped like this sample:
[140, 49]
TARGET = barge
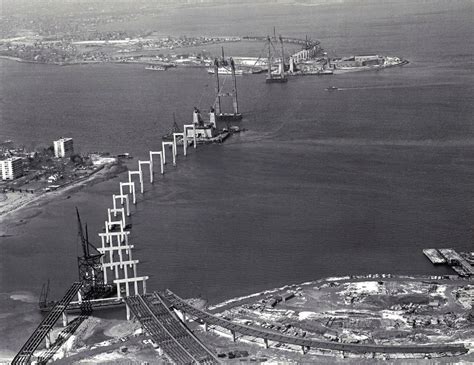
[434, 256]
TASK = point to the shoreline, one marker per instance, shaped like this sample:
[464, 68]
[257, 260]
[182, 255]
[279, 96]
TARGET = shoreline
[97, 336]
[340, 71]
[11, 206]
[376, 276]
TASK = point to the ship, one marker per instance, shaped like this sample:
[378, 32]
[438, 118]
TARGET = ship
[224, 71]
[155, 68]
[331, 88]
[206, 131]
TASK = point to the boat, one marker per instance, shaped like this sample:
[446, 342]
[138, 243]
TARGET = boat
[331, 88]
[125, 155]
[325, 72]
[224, 71]
[155, 68]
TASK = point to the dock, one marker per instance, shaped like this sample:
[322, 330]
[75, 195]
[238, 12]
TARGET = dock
[434, 256]
[457, 261]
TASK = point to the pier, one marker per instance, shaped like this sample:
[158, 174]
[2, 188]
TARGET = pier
[434, 256]
[459, 262]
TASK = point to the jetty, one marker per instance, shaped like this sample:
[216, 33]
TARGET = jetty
[434, 256]
[461, 263]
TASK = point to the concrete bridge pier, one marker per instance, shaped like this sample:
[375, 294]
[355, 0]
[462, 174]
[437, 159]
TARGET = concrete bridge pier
[181, 315]
[153, 153]
[107, 237]
[128, 312]
[140, 177]
[206, 327]
[65, 319]
[115, 210]
[175, 144]
[185, 130]
[48, 340]
[234, 335]
[131, 188]
[163, 149]
[265, 341]
[150, 168]
[123, 198]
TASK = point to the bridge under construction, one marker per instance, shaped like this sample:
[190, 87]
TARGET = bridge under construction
[45, 327]
[109, 276]
[176, 341]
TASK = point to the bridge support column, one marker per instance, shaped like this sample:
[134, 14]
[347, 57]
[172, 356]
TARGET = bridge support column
[65, 319]
[140, 176]
[175, 145]
[206, 327]
[131, 186]
[150, 168]
[48, 340]
[265, 340]
[152, 153]
[234, 337]
[193, 126]
[181, 315]
[128, 313]
[163, 148]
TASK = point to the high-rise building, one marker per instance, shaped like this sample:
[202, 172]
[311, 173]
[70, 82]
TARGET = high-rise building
[11, 168]
[63, 147]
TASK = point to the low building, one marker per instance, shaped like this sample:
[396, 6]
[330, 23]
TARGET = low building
[11, 168]
[63, 147]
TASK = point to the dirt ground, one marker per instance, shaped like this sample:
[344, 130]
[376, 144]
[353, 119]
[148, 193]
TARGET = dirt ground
[363, 310]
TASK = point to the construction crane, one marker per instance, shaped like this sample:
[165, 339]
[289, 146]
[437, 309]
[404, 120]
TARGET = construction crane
[280, 77]
[220, 115]
[90, 266]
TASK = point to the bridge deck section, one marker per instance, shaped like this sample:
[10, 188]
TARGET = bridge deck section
[168, 332]
[65, 334]
[25, 353]
[208, 318]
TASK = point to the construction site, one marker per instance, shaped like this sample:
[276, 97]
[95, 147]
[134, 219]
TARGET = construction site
[370, 318]
[374, 317]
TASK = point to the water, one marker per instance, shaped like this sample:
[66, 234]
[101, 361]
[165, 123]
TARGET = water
[322, 183]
